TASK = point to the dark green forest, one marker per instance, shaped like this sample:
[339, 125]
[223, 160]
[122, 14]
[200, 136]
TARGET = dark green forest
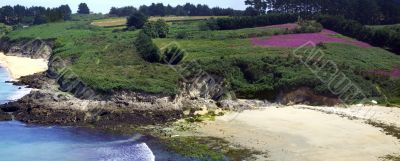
[364, 11]
[13, 15]
[159, 9]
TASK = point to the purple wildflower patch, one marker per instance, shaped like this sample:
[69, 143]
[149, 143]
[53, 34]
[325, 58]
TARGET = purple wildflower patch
[296, 40]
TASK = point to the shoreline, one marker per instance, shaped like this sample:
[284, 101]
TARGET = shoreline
[308, 133]
[21, 66]
[291, 132]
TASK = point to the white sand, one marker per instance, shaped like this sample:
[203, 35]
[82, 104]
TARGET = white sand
[20, 66]
[294, 134]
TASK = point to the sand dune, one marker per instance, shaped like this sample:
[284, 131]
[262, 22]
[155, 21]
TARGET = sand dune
[20, 66]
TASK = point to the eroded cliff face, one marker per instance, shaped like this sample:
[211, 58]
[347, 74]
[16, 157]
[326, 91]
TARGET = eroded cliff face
[31, 48]
[61, 99]
[305, 95]
[49, 105]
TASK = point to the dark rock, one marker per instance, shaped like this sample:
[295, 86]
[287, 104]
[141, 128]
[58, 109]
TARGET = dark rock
[40, 107]
[31, 48]
[305, 95]
[38, 81]
[5, 116]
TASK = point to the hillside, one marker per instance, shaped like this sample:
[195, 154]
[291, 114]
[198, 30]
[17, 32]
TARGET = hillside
[105, 59]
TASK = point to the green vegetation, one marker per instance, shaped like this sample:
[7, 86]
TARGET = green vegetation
[173, 55]
[20, 15]
[83, 9]
[248, 22]
[208, 148]
[147, 49]
[382, 37]
[157, 29]
[188, 9]
[308, 27]
[103, 59]
[106, 59]
[363, 11]
[4, 29]
[121, 21]
[136, 21]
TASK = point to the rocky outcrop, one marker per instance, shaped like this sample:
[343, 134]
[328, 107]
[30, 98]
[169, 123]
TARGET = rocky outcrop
[31, 48]
[305, 95]
[60, 108]
[5, 116]
[36, 81]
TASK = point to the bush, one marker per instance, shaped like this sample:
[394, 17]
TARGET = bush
[146, 48]
[149, 29]
[308, 27]
[39, 20]
[248, 22]
[210, 24]
[158, 29]
[162, 28]
[173, 55]
[4, 29]
[137, 20]
[182, 35]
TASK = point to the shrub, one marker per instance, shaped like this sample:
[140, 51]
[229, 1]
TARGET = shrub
[158, 29]
[146, 48]
[248, 22]
[210, 24]
[308, 27]
[182, 35]
[149, 29]
[162, 28]
[4, 29]
[39, 20]
[173, 55]
[137, 20]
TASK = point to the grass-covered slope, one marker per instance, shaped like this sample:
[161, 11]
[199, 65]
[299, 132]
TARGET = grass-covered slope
[106, 60]
[103, 59]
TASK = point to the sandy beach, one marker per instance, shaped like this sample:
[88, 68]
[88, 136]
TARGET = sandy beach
[296, 133]
[20, 66]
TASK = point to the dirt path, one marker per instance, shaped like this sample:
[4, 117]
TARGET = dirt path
[296, 134]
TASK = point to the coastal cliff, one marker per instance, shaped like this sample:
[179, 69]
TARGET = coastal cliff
[60, 99]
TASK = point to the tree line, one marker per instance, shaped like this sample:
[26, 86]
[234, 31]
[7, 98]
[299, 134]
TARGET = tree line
[159, 9]
[364, 11]
[240, 22]
[13, 15]
[381, 37]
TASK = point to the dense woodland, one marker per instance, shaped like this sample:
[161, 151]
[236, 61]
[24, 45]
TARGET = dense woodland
[188, 9]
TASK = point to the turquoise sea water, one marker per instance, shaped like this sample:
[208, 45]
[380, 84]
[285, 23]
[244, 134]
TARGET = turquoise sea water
[21, 142]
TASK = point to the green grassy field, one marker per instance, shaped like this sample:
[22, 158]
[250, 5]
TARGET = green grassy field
[105, 59]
